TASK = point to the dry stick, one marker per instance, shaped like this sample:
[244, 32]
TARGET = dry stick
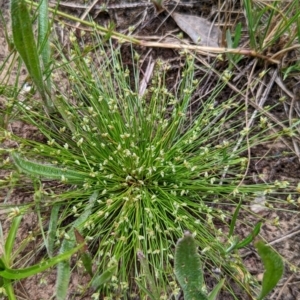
[101, 7]
[283, 287]
[279, 53]
[246, 117]
[252, 103]
[288, 235]
[88, 9]
[260, 104]
[147, 77]
[115, 6]
[281, 84]
[129, 39]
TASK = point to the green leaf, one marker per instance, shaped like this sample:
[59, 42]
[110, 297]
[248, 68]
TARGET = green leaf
[228, 38]
[43, 38]
[274, 267]
[24, 273]
[63, 270]
[87, 262]
[188, 268]
[145, 290]
[237, 35]
[214, 293]
[47, 171]
[103, 278]
[25, 44]
[234, 218]
[149, 277]
[62, 280]
[2, 265]
[250, 237]
[52, 229]
[11, 237]
[43, 32]
[84, 255]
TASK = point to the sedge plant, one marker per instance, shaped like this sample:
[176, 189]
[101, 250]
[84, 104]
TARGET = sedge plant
[153, 171]
[138, 168]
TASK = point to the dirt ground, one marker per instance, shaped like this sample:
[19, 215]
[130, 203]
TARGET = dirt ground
[278, 161]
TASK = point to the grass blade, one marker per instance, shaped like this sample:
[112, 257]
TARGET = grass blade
[27, 272]
[250, 237]
[214, 293]
[234, 218]
[150, 278]
[63, 270]
[11, 237]
[104, 277]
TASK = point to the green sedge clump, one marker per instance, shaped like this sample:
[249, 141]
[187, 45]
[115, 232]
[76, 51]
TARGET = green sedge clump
[141, 166]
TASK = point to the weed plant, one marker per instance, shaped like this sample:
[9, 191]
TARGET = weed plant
[138, 171]
[135, 169]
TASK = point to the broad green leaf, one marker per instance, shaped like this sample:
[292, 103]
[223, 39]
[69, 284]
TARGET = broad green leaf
[24, 273]
[188, 268]
[25, 44]
[47, 171]
[273, 265]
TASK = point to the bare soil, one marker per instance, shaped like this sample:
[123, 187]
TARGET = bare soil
[278, 161]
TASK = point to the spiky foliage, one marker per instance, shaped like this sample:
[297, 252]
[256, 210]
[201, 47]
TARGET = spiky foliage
[139, 168]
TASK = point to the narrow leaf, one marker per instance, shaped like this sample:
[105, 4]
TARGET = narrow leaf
[145, 290]
[214, 293]
[84, 254]
[43, 37]
[43, 32]
[149, 277]
[234, 218]
[237, 35]
[10, 240]
[63, 270]
[273, 268]
[103, 278]
[250, 237]
[24, 273]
